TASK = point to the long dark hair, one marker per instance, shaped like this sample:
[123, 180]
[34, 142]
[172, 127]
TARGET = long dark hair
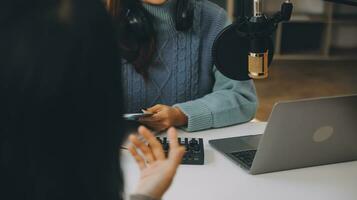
[60, 105]
[139, 53]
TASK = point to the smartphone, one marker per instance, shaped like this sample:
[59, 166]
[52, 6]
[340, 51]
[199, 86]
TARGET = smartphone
[136, 116]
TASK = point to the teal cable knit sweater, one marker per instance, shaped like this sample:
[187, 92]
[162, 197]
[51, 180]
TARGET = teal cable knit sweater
[184, 75]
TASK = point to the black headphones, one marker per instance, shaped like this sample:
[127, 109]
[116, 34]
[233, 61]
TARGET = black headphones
[138, 19]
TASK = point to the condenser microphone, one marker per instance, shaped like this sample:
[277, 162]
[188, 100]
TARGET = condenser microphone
[258, 59]
[245, 50]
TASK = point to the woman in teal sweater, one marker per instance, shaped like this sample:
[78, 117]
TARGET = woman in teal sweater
[168, 67]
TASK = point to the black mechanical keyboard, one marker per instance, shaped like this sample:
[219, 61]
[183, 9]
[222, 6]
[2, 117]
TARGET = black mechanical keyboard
[245, 157]
[194, 155]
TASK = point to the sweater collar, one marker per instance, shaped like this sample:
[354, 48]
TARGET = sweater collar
[163, 16]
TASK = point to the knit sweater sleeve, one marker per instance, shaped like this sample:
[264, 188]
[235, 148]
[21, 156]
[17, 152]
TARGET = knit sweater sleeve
[230, 102]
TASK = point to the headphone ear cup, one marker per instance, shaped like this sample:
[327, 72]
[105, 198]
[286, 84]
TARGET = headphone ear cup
[184, 15]
[139, 24]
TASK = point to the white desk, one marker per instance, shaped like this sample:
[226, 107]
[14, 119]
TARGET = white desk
[221, 179]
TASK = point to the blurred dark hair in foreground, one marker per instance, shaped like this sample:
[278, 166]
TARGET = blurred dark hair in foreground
[60, 99]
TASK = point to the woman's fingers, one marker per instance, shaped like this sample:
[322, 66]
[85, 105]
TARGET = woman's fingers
[176, 150]
[155, 108]
[149, 156]
[139, 160]
[151, 125]
[153, 118]
[157, 126]
[155, 145]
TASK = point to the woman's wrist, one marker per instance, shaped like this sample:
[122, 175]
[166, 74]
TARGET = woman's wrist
[181, 118]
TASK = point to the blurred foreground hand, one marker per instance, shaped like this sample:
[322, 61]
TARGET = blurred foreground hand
[156, 171]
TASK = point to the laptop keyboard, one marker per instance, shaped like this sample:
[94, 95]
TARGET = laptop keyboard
[245, 157]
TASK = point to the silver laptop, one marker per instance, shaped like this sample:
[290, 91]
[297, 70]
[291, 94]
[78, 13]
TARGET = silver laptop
[299, 134]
